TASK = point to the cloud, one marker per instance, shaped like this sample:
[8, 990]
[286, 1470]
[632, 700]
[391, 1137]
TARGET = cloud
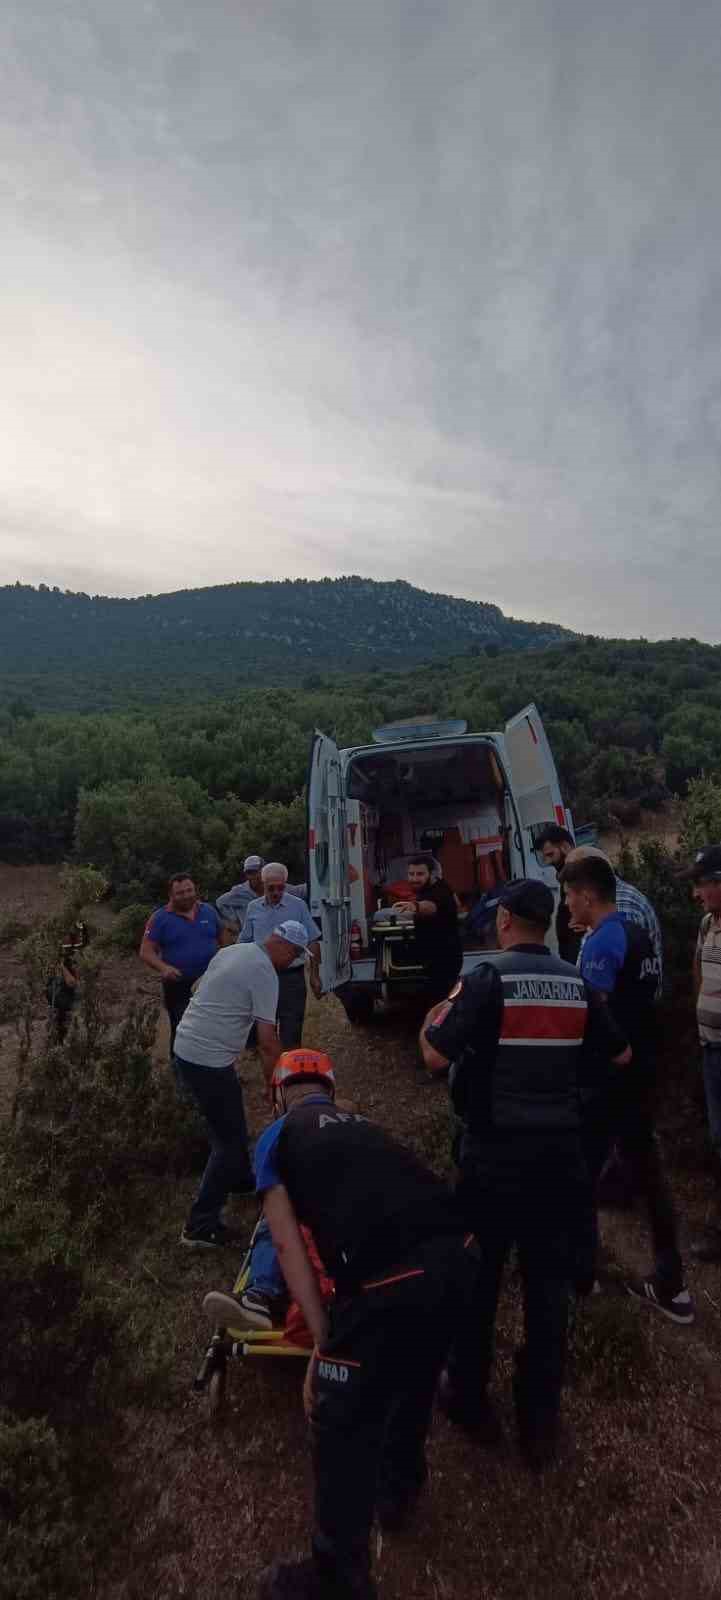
[394, 289]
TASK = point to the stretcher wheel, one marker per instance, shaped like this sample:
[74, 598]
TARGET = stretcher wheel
[216, 1394]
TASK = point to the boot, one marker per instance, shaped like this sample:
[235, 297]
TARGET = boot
[478, 1417]
[538, 1426]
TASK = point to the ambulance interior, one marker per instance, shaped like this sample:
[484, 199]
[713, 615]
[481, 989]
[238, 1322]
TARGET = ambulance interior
[447, 802]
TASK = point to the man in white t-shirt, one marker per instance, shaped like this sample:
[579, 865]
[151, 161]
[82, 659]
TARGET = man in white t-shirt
[239, 989]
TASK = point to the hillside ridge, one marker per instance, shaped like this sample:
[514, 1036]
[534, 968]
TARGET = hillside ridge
[67, 648]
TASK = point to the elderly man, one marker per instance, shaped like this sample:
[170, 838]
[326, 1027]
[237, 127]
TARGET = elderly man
[179, 941]
[240, 988]
[233, 905]
[262, 916]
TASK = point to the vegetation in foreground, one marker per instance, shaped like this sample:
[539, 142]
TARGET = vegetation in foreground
[99, 1334]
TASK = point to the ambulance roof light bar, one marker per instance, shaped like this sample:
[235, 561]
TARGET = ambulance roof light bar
[412, 729]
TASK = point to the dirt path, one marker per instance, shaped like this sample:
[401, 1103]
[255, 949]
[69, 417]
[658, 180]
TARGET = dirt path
[632, 1509]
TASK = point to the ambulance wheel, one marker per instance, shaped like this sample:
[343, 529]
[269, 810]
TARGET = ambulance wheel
[216, 1395]
[358, 1006]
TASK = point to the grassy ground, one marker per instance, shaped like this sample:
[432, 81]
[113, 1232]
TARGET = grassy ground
[631, 1509]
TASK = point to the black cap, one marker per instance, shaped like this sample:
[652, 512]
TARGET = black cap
[707, 864]
[528, 899]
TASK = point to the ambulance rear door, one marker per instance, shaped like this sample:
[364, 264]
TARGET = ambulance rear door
[535, 788]
[327, 856]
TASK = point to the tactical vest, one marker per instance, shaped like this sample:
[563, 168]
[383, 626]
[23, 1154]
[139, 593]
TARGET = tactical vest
[532, 1086]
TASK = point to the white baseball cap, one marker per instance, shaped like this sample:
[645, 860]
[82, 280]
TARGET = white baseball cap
[253, 864]
[293, 933]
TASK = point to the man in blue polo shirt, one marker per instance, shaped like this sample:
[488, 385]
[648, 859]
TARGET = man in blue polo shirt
[179, 941]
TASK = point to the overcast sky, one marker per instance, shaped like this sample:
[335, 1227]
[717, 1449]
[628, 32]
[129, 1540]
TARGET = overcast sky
[426, 289]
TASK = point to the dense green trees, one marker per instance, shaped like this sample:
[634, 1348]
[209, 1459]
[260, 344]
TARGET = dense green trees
[200, 783]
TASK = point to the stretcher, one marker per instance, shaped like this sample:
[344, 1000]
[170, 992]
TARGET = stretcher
[229, 1344]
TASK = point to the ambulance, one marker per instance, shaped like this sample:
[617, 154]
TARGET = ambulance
[470, 803]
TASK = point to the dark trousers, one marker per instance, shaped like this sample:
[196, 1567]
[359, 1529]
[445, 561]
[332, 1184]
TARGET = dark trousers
[177, 994]
[373, 1384]
[441, 977]
[291, 1007]
[219, 1097]
[533, 1206]
[61, 1016]
[622, 1113]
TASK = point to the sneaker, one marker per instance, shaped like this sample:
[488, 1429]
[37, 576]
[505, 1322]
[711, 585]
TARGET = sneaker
[251, 1309]
[708, 1247]
[677, 1307]
[478, 1417]
[218, 1238]
[396, 1502]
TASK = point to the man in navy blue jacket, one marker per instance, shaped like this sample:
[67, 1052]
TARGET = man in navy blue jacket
[619, 962]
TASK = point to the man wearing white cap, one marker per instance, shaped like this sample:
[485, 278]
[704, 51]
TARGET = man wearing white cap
[239, 989]
[233, 905]
[262, 918]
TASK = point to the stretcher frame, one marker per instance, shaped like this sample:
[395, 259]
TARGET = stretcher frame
[228, 1344]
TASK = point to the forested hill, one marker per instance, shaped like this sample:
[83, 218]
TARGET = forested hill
[66, 651]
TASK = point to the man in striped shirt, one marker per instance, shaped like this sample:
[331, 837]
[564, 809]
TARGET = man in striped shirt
[706, 878]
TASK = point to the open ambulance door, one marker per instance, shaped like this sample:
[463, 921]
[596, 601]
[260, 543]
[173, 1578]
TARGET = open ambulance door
[328, 885]
[535, 788]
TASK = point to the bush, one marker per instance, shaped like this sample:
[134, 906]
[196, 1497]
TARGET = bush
[94, 1114]
[127, 930]
[94, 1123]
[138, 833]
[276, 831]
[43, 1557]
[13, 928]
[657, 871]
[701, 815]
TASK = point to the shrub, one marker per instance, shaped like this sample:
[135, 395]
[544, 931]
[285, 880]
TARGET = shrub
[13, 928]
[701, 815]
[43, 1556]
[276, 831]
[127, 930]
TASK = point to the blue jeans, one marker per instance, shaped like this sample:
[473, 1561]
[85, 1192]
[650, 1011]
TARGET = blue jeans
[711, 1059]
[265, 1274]
[219, 1097]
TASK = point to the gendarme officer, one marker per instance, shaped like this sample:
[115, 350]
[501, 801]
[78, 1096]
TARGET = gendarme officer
[513, 1033]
